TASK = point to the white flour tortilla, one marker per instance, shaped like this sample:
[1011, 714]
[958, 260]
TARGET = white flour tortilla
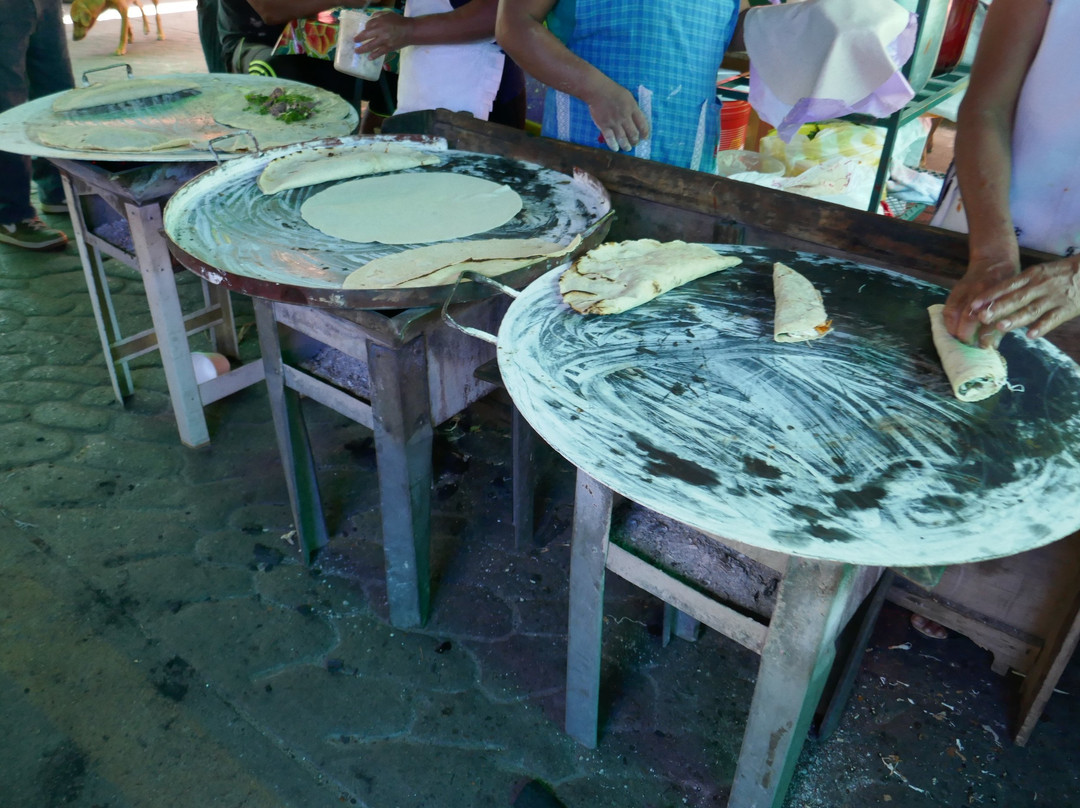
[800, 312]
[109, 138]
[330, 163]
[120, 92]
[230, 107]
[441, 264]
[974, 373]
[411, 208]
[617, 276]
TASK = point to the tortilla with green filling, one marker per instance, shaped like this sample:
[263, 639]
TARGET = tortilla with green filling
[974, 373]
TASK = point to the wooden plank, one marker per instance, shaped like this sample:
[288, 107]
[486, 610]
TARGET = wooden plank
[159, 283]
[588, 552]
[292, 439]
[813, 599]
[401, 416]
[1040, 682]
[746, 631]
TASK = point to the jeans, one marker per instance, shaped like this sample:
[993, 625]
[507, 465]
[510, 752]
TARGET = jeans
[34, 62]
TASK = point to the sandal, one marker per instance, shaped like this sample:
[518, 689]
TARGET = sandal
[928, 628]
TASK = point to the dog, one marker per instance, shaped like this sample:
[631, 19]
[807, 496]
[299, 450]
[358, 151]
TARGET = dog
[84, 14]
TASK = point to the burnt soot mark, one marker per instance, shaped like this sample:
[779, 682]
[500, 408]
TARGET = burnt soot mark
[862, 499]
[759, 468]
[678, 389]
[942, 502]
[666, 464]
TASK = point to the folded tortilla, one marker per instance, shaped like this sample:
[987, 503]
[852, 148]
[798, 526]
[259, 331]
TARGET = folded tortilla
[974, 373]
[616, 277]
[441, 264]
[800, 312]
[122, 92]
[327, 164]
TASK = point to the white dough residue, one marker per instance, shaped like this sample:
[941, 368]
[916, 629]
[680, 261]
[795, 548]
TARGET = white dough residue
[411, 208]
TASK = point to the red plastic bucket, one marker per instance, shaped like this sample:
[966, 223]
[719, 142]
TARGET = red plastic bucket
[957, 26]
[734, 118]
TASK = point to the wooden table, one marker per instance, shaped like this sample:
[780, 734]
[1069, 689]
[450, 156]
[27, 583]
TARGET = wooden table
[421, 372]
[849, 454]
[100, 195]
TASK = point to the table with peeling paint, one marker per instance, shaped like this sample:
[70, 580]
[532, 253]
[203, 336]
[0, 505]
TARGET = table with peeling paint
[848, 454]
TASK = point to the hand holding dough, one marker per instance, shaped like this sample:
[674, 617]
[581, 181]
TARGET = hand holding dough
[974, 373]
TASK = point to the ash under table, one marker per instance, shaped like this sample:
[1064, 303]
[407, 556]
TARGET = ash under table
[847, 454]
[132, 234]
[420, 371]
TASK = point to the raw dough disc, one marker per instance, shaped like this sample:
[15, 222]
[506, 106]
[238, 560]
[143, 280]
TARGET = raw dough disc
[120, 92]
[411, 208]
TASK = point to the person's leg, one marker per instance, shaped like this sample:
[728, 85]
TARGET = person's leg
[19, 18]
[207, 16]
[48, 68]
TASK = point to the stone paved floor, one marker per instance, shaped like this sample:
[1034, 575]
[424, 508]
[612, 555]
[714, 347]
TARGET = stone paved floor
[162, 645]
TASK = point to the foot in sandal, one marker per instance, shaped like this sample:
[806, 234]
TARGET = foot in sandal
[927, 627]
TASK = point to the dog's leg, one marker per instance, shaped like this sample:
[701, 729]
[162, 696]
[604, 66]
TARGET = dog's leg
[157, 19]
[125, 31]
[142, 13]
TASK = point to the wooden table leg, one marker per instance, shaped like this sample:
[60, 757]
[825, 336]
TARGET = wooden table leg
[292, 437]
[159, 282]
[524, 479]
[588, 563]
[401, 417]
[813, 603]
[100, 300]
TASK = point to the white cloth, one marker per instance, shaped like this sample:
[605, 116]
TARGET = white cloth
[822, 59]
[460, 77]
[1044, 190]
[1045, 187]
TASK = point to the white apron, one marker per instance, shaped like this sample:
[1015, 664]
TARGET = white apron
[461, 77]
[1044, 191]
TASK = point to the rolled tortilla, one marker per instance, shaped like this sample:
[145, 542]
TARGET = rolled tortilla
[800, 312]
[974, 373]
[327, 164]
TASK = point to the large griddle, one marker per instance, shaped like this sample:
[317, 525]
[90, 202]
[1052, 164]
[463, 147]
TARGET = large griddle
[180, 115]
[849, 448]
[223, 228]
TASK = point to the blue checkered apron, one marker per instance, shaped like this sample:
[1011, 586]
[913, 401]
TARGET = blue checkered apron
[665, 53]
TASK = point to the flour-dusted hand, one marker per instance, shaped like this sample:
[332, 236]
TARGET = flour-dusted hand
[616, 114]
[964, 308]
[1040, 298]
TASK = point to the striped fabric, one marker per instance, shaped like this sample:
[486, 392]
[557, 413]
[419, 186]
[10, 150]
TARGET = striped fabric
[665, 53]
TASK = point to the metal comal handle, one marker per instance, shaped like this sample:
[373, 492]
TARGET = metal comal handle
[476, 277]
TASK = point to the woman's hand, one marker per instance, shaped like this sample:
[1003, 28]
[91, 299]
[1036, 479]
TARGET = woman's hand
[965, 306]
[1040, 299]
[384, 33]
[617, 115]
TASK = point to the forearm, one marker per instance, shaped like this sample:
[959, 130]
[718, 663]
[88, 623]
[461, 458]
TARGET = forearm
[276, 12]
[1009, 42]
[519, 30]
[472, 22]
[983, 169]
